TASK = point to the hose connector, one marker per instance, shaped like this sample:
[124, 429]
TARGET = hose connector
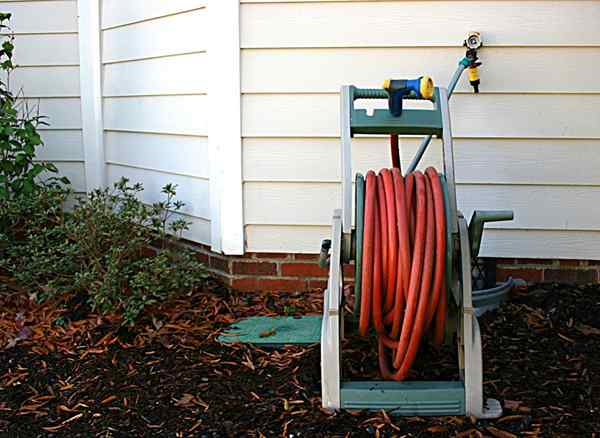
[472, 43]
[473, 73]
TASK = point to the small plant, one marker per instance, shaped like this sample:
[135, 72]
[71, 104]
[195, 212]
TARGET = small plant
[103, 250]
[19, 137]
[113, 231]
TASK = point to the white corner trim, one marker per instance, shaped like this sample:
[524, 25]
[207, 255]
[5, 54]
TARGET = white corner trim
[90, 67]
[225, 126]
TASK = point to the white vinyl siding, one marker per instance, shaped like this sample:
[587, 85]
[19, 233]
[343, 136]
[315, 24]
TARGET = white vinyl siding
[47, 75]
[154, 88]
[530, 141]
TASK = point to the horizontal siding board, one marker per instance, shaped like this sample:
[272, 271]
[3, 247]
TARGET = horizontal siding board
[42, 17]
[61, 146]
[326, 70]
[497, 161]
[75, 171]
[318, 160]
[46, 81]
[556, 208]
[193, 191]
[535, 207]
[482, 115]
[184, 115]
[168, 153]
[119, 12]
[48, 49]
[172, 35]
[419, 23]
[496, 243]
[185, 74]
[517, 161]
[199, 229]
[61, 113]
[290, 203]
[581, 245]
[300, 239]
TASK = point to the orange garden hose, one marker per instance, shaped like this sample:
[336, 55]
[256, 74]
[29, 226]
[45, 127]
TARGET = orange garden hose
[404, 256]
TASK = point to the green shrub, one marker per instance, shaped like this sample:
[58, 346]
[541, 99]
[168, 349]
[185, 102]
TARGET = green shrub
[102, 249]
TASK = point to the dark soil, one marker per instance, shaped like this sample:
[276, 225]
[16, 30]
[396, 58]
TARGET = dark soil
[71, 373]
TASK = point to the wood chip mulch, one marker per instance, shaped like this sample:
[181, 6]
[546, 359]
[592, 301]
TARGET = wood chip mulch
[66, 372]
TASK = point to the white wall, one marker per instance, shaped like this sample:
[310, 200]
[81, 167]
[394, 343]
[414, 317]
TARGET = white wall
[154, 86]
[529, 142]
[46, 52]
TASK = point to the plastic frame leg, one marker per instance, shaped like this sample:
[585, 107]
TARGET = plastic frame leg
[332, 319]
[471, 339]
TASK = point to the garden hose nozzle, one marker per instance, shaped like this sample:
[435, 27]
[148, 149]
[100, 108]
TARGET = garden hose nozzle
[398, 89]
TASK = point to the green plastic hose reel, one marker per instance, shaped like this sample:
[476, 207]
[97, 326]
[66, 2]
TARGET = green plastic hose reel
[403, 398]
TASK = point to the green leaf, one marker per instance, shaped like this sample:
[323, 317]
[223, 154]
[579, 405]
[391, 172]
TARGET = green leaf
[27, 186]
[51, 167]
[8, 46]
[36, 169]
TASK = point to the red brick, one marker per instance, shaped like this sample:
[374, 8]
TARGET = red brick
[201, 257]
[248, 284]
[582, 276]
[281, 284]
[254, 268]
[534, 262]
[306, 256]
[529, 275]
[220, 264]
[317, 284]
[303, 270]
[271, 255]
[569, 263]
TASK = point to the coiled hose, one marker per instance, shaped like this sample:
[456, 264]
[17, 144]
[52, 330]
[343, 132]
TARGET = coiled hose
[403, 292]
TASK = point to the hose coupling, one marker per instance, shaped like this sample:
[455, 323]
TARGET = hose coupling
[472, 43]
[324, 253]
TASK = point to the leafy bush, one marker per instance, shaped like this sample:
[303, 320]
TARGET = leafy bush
[99, 249]
[18, 132]
[102, 249]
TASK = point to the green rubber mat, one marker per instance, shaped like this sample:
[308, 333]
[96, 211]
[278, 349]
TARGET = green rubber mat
[275, 331]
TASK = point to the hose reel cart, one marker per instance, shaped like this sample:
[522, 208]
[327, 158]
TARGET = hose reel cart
[412, 249]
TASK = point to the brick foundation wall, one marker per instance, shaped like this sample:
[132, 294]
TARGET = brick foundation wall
[548, 271]
[268, 271]
[299, 272]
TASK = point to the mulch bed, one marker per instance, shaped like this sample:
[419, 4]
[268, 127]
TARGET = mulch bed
[65, 372]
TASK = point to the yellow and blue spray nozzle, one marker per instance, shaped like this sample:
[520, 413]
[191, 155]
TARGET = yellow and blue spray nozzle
[398, 89]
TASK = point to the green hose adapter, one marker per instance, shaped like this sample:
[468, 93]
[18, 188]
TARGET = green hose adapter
[478, 220]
